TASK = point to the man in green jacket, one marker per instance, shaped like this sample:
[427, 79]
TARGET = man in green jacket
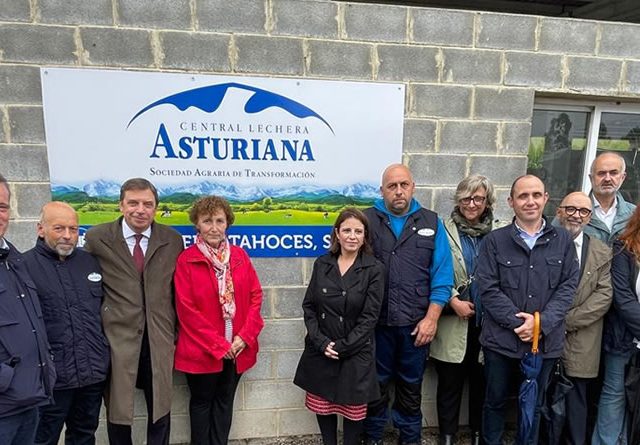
[584, 321]
[610, 211]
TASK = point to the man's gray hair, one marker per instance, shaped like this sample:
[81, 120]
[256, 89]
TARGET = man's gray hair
[612, 153]
[471, 183]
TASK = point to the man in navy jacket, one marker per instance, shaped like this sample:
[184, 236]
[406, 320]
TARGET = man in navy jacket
[70, 288]
[526, 267]
[26, 369]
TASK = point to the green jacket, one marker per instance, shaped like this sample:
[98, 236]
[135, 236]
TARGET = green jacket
[450, 342]
[584, 322]
[596, 228]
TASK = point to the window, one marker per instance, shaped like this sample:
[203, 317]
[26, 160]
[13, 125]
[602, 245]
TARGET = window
[565, 138]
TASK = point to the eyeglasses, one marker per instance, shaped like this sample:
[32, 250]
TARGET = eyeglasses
[477, 200]
[571, 210]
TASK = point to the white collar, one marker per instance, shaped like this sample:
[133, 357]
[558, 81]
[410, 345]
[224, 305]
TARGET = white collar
[4, 244]
[128, 232]
[596, 203]
[578, 240]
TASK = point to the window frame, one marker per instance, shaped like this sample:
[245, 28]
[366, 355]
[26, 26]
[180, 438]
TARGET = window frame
[595, 110]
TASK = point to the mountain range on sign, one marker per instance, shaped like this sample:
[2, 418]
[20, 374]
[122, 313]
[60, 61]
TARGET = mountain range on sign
[108, 190]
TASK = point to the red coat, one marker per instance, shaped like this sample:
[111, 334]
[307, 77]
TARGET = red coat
[201, 344]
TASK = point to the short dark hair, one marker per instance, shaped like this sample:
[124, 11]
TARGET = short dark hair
[209, 205]
[138, 184]
[350, 212]
[3, 181]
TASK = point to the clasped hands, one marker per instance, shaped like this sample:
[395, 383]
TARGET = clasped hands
[237, 346]
[330, 352]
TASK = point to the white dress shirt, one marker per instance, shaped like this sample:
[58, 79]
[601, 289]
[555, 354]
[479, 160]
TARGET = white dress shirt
[130, 238]
[606, 217]
[578, 241]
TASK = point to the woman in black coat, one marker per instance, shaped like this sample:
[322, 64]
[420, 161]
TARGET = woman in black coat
[341, 308]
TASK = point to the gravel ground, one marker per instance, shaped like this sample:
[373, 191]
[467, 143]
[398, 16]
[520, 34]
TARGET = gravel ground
[429, 437]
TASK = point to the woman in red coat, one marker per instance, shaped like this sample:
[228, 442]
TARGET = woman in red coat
[218, 298]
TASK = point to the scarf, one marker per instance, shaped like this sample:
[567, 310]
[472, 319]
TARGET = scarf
[219, 260]
[480, 228]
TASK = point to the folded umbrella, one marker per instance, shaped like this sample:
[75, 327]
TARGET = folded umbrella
[530, 365]
[554, 410]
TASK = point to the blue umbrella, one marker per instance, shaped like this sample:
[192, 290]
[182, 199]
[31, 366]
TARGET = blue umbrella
[530, 366]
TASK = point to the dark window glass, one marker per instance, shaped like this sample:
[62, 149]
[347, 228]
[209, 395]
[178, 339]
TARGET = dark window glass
[620, 132]
[557, 151]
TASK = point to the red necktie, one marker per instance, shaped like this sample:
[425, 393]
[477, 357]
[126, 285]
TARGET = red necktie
[138, 255]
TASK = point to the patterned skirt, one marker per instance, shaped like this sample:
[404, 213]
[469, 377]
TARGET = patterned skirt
[323, 407]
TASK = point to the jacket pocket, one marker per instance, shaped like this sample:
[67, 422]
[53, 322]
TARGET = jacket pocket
[554, 268]
[509, 270]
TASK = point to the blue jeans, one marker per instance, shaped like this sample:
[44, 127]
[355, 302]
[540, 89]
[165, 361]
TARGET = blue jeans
[499, 369]
[398, 361]
[78, 408]
[611, 428]
[19, 429]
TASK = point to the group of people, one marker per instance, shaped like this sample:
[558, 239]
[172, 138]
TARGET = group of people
[398, 286]
[470, 293]
[80, 325]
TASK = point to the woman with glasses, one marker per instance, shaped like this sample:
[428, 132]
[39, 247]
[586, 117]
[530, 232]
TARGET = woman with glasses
[456, 347]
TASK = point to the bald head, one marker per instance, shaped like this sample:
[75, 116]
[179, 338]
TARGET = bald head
[397, 189]
[574, 212]
[58, 227]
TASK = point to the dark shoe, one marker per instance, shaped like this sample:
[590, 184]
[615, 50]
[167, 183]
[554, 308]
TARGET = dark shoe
[447, 439]
[476, 438]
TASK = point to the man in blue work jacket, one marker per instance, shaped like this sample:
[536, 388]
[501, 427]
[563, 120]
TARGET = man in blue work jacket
[412, 243]
[526, 267]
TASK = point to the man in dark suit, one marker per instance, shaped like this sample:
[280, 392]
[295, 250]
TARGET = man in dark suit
[137, 257]
[26, 368]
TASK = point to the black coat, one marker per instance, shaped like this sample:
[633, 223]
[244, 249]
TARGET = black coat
[70, 293]
[345, 310]
[622, 322]
[27, 374]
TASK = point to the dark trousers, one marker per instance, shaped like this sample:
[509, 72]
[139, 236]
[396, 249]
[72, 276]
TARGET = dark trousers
[19, 429]
[158, 432]
[575, 428]
[499, 370]
[351, 430]
[451, 378]
[400, 362]
[79, 408]
[211, 404]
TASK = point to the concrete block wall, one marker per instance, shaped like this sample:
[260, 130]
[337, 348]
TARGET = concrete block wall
[471, 79]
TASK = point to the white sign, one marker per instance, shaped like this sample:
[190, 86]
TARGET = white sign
[287, 153]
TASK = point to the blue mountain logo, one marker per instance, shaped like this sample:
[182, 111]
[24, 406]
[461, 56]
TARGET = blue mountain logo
[209, 98]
